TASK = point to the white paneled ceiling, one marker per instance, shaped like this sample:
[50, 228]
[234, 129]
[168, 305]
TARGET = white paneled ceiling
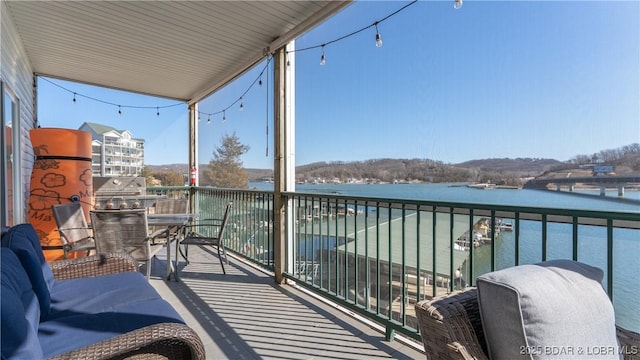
[176, 49]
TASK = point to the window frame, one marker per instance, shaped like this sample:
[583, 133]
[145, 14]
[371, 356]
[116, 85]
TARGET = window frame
[10, 185]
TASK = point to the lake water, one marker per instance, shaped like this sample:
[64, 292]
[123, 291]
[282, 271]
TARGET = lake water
[591, 249]
[461, 193]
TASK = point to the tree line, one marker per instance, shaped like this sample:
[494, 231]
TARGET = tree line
[225, 169]
[628, 155]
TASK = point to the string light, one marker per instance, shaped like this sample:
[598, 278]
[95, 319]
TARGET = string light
[374, 24]
[240, 100]
[457, 4]
[323, 59]
[378, 37]
[119, 106]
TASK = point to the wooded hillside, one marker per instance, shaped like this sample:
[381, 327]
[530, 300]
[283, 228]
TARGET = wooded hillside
[506, 171]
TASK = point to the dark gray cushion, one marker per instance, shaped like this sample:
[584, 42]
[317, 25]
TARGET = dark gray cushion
[97, 294]
[20, 312]
[555, 309]
[23, 240]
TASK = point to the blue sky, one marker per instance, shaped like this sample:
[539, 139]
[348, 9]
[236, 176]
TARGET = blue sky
[493, 79]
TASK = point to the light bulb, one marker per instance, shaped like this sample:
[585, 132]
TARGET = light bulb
[378, 38]
[323, 59]
[457, 4]
[209, 120]
[74, 98]
[241, 106]
[119, 110]
[157, 111]
[224, 116]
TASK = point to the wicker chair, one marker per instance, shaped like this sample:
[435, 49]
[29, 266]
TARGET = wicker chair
[451, 328]
[159, 341]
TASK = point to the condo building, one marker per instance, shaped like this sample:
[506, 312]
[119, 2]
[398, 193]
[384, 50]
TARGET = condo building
[114, 152]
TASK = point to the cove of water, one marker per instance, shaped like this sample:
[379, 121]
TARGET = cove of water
[591, 247]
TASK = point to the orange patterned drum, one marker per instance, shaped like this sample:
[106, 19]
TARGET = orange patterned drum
[61, 174]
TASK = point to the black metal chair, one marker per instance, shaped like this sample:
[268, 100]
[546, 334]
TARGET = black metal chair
[208, 232]
[168, 206]
[124, 231]
[75, 233]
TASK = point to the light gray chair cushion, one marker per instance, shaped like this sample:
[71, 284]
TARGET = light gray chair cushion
[554, 309]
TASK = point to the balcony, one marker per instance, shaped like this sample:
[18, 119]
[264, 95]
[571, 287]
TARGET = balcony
[377, 257]
[374, 257]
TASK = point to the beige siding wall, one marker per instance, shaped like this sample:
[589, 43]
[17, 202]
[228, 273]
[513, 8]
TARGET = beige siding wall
[17, 75]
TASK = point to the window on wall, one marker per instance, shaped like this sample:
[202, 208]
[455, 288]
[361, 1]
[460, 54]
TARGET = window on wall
[9, 189]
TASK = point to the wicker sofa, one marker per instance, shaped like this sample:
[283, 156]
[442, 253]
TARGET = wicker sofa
[451, 328]
[96, 307]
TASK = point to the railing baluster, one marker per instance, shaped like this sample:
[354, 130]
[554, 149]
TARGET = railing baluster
[403, 270]
[471, 247]
[610, 259]
[544, 237]
[378, 276]
[451, 246]
[355, 250]
[345, 273]
[575, 239]
[434, 239]
[419, 288]
[516, 224]
[367, 266]
[493, 239]
[390, 264]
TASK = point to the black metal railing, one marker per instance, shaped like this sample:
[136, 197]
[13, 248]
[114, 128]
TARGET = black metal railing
[378, 256]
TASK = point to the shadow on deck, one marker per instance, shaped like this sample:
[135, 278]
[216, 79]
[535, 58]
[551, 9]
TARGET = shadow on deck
[246, 315]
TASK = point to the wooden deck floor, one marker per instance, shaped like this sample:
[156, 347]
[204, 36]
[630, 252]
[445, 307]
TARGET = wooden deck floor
[246, 315]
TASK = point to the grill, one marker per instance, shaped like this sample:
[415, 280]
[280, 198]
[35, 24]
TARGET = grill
[122, 192]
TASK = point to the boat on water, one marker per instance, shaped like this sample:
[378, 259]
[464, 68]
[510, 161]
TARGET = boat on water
[505, 226]
[483, 186]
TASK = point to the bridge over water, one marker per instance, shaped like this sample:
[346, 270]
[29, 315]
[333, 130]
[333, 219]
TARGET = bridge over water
[603, 182]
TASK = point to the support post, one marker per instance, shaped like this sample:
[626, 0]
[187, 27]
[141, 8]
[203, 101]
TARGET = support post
[193, 152]
[284, 160]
